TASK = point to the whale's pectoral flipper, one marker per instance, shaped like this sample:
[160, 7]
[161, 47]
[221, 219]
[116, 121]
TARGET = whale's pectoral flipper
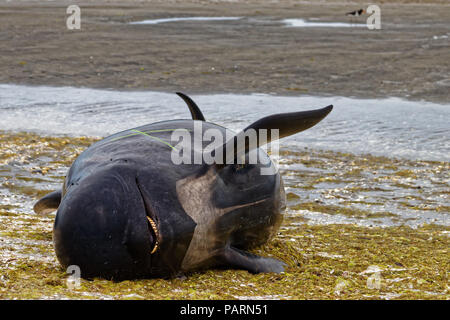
[193, 108]
[286, 123]
[48, 203]
[235, 258]
[292, 122]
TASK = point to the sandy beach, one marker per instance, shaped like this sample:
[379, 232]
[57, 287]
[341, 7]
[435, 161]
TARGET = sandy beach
[409, 57]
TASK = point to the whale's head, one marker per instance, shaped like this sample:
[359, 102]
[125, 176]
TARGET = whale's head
[104, 226]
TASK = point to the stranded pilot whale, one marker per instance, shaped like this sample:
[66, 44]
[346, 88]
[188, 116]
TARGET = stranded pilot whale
[127, 211]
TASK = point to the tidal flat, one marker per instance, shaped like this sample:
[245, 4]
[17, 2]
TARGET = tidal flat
[356, 227]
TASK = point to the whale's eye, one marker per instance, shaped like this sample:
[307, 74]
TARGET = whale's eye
[239, 167]
[242, 168]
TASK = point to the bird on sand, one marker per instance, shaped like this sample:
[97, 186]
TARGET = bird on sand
[355, 13]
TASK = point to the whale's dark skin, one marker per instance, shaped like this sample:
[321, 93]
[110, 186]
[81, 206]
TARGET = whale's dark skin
[127, 211]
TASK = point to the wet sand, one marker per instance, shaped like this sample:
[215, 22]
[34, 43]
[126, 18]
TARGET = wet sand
[408, 58]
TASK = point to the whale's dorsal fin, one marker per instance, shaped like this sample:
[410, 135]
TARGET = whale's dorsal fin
[48, 203]
[286, 123]
[193, 108]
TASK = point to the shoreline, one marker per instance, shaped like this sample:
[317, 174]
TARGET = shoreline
[392, 125]
[203, 93]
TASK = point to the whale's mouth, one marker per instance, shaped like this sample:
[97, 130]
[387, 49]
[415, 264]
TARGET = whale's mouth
[152, 226]
[155, 234]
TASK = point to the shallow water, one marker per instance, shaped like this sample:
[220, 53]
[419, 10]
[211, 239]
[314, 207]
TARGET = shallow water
[302, 23]
[390, 127]
[158, 21]
[298, 23]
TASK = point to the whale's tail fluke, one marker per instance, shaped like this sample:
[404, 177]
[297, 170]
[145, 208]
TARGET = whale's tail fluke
[48, 203]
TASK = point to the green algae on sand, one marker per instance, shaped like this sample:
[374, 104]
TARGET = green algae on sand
[331, 261]
[413, 264]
